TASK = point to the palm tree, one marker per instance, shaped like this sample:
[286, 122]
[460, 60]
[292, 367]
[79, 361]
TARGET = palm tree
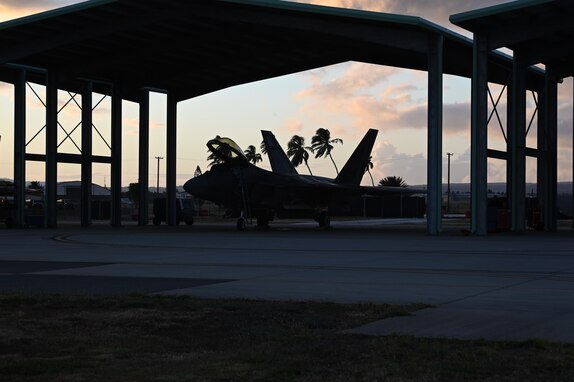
[322, 145]
[369, 167]
[252, 155]
[297, 151]
[36, 185]
[393, 181]
[263, 148]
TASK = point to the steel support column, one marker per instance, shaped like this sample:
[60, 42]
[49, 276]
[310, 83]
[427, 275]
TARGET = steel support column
[86, 185]
[116, 170]
[171, 158]
[479, 137]
[541, 160]
[509, 130]
[19, 148]
[143, 167]
[434, 136]
[550, 107]
[517, 144]
[51, 185]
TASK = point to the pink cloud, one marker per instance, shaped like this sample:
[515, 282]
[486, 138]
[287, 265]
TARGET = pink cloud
[293, 126]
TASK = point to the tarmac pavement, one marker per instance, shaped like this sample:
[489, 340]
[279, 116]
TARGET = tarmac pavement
[502, 287]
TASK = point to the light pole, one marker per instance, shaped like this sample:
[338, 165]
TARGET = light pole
[448, 185]
[157, 187]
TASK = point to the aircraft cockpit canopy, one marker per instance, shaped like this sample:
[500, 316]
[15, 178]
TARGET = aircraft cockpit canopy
[226, 150]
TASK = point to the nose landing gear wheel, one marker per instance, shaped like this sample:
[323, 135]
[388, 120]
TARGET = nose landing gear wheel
[241, 224]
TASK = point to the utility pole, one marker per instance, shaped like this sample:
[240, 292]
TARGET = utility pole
[157, 188]
[448, 185]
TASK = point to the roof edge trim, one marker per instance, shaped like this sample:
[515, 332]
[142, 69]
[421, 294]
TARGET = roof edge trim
[348, 12]
[462, 18]
[53, 13]
[328, 10]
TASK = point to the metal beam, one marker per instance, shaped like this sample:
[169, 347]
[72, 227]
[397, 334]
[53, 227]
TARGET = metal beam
[68, 158]
[143, 167]
[542, 142]
[551, 150]
[116, 170]
[51, 186]
[509, 34]
[19, 148]
[171, 158]
[434, 136]
[479, 137]
[517, 144]
[86, 185]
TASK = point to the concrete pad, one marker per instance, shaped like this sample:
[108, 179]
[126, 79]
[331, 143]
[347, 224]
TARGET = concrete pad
[503, 286]
[167, 271]
[477, 324]
[94, 285]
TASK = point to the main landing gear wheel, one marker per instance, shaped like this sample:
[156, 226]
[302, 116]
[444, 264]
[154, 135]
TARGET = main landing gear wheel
[262, 222]
[324, 220]
[241, 224]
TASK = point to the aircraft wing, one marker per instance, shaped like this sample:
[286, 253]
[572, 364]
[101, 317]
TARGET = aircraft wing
[316, 190]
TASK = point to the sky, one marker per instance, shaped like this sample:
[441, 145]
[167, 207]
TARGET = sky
[347, 99]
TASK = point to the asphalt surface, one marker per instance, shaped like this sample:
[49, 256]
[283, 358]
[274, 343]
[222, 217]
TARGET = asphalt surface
[503, 287]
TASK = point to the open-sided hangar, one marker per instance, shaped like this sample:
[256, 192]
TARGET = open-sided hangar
[127, 48]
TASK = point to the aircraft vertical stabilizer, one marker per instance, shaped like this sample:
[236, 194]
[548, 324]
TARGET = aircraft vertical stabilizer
[355, 168]
[280, 163]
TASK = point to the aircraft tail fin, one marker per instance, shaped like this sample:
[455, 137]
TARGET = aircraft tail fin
[280, 163]
[355, 168]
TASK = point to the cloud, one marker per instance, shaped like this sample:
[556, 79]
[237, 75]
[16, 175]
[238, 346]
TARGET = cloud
[356, 100]
[389, 161]
[456, 118]
[356, 77]
[293, 126]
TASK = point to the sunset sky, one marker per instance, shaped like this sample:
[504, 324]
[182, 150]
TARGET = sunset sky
[347, 99]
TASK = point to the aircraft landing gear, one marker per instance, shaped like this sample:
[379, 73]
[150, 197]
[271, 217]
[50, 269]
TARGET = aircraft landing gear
[241, 224]
[324, 220]
[263, 220]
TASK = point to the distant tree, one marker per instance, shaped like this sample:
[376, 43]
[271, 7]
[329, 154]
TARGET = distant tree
[393, 181]
[252, 155]
[263, 148]
[298, 152]
[197, 172]
[369, 167]
[322, 145]
[36, 185]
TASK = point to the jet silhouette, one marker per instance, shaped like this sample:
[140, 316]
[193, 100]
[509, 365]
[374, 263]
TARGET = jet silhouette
[249, 191]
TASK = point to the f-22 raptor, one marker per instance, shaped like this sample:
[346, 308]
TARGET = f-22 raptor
[249, 191]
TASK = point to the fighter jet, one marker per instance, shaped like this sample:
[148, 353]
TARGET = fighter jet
[248, 191]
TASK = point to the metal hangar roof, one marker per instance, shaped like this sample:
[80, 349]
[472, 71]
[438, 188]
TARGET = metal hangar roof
[541, 29]
[196, 47]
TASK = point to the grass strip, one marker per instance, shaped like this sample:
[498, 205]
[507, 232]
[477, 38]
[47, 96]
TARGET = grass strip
[144, 338]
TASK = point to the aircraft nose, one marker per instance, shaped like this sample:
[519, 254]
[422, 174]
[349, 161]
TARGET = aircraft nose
[196, 186]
